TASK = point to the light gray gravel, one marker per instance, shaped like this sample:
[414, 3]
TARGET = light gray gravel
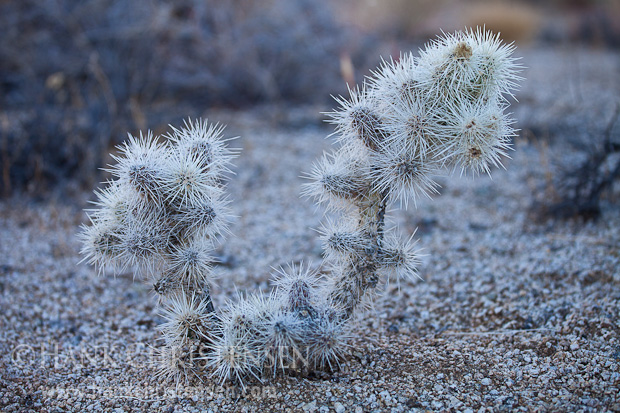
[510, 315]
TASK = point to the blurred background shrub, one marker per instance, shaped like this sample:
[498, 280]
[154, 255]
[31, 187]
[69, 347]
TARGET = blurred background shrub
[75, 75]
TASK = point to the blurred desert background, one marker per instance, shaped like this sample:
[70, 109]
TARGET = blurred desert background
[78, 75]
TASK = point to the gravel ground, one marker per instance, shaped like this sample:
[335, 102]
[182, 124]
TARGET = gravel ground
[510, 315]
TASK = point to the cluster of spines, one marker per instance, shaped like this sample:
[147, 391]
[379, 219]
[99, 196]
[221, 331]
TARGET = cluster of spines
[161, 215]
[411, 119]
[292, 329]
[165, 204]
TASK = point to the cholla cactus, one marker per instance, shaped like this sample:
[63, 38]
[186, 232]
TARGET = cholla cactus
[410, 120]
[166, 207]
